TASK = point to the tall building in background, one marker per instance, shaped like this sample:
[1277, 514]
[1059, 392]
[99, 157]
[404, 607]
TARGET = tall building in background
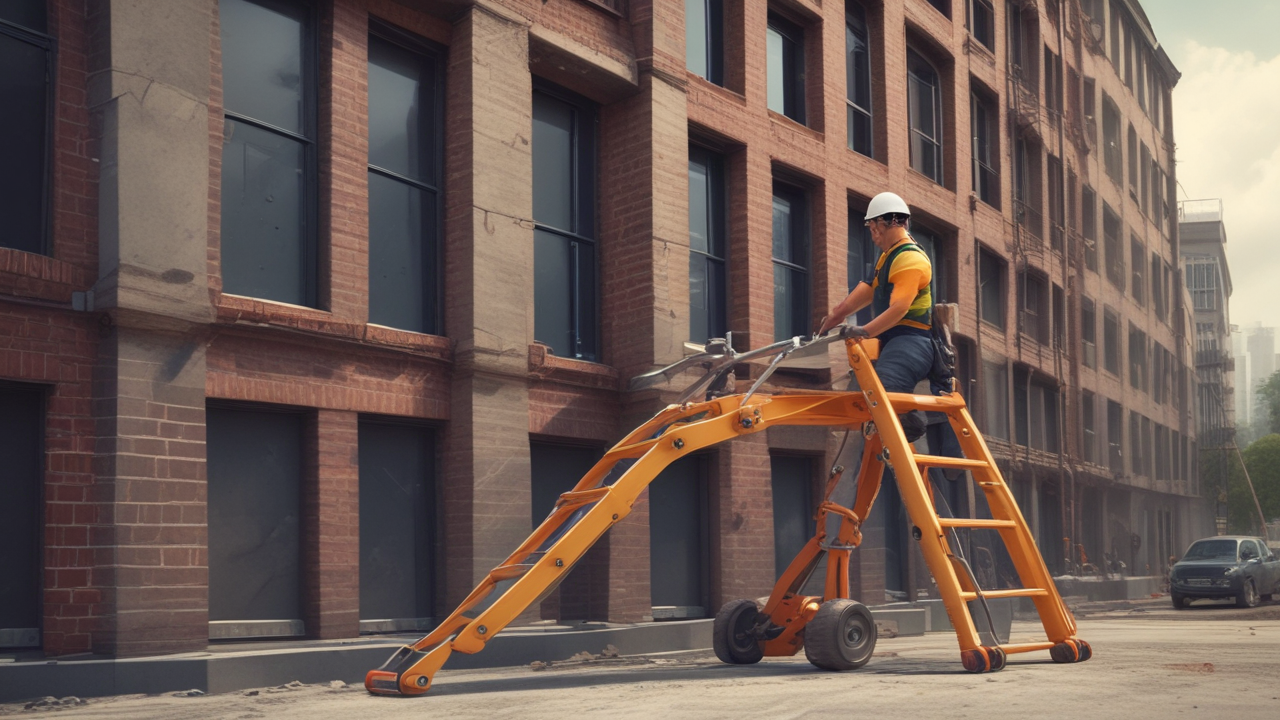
[1261, 344]
[1208, 280]
[1243, 382]
[312, 308]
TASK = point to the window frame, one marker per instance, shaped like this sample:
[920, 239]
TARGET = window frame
[717, 320]
[1034, 307]
[856, 25]
[585, 211]
[939, 125]
[794, 83]
[49, 44]
[799, 197]
[986, 173]
[1112, 149]
[1088, 332]
[1089, 226]
[432, 297]
[1112, 352]
[972, 21]
[1138, 264]
[989, 262]
[713, 13]
[310, 140]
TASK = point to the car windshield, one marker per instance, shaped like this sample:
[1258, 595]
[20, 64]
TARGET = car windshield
[1212, 550]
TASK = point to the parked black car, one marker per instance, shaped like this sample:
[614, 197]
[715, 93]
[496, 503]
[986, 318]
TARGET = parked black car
[1222, 567]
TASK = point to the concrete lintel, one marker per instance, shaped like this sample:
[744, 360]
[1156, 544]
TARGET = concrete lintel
[566, 61]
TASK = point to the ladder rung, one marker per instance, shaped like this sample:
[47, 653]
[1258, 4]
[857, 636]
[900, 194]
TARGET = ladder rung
[1015, 648]
[997, 594]
[902, 402]
[507, 572]
[974, 523]
[579, 498]
[949, 462]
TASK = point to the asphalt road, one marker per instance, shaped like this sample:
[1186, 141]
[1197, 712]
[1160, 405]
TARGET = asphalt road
[1150, 661]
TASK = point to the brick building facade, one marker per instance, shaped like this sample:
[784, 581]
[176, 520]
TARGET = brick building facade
[320, 304]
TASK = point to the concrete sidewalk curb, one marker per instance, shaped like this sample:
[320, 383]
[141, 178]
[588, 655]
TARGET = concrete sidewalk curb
[227, 669]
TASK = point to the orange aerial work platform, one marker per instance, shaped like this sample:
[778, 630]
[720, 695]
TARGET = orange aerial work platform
[835, 632]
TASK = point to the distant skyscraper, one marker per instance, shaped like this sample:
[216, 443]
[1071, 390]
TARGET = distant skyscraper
[1261, 342]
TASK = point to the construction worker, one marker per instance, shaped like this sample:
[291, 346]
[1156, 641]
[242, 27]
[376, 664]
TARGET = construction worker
[899, 294]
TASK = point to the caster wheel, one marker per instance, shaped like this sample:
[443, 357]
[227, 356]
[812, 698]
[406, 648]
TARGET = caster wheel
[731, 633]
[841, 636]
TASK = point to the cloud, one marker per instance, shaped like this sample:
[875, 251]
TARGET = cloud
[1227, 129]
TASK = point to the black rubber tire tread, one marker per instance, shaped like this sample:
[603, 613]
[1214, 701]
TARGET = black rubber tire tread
[1179, 601]
[1248, 596]
[731, 620]
[826, 636]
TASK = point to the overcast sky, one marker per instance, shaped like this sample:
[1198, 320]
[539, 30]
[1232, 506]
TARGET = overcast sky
[1226, 115]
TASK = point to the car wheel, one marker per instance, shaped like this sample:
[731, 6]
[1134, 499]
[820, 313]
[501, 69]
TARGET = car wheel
[1248, 596]
[1179, 601]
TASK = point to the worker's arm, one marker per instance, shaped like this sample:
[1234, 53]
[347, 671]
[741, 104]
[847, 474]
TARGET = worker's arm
[906, 284]
[859, 298]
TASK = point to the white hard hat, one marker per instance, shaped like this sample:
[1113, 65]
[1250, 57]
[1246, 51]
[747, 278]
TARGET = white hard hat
[887, 203]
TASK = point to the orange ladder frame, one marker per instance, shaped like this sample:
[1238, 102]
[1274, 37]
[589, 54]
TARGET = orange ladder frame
[607, 492]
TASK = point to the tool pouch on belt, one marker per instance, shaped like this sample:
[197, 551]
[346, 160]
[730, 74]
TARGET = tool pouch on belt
[942, 373]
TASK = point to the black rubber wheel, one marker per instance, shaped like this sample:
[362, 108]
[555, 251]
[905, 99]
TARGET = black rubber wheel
[1248, 596]
[841, 636]
[1179, 601]
[731, 633]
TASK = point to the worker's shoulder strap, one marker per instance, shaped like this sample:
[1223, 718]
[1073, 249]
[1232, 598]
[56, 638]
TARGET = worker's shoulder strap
[887, 267]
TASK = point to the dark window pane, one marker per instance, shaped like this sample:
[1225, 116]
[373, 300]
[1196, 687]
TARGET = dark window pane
[401, 94]
[699, 204]
[983, 23]
[924, 100]
[992, 298]
[23, 128]
[29, 14]
[790, 263]
[784, 298]
[564, 200]
[699, 297]
[939, 286]
[397, 521]
[402, 254]
[862, 257]
[553, 176]
[706, 243]
[781, 228]
[791, 480]
[262, 68]
[552, 305]
[20, 508]
[265, 252]
[255, 474]
[790, 302]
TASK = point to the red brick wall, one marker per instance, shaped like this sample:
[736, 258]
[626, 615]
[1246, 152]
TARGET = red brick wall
[44, 341]
[331, 525]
